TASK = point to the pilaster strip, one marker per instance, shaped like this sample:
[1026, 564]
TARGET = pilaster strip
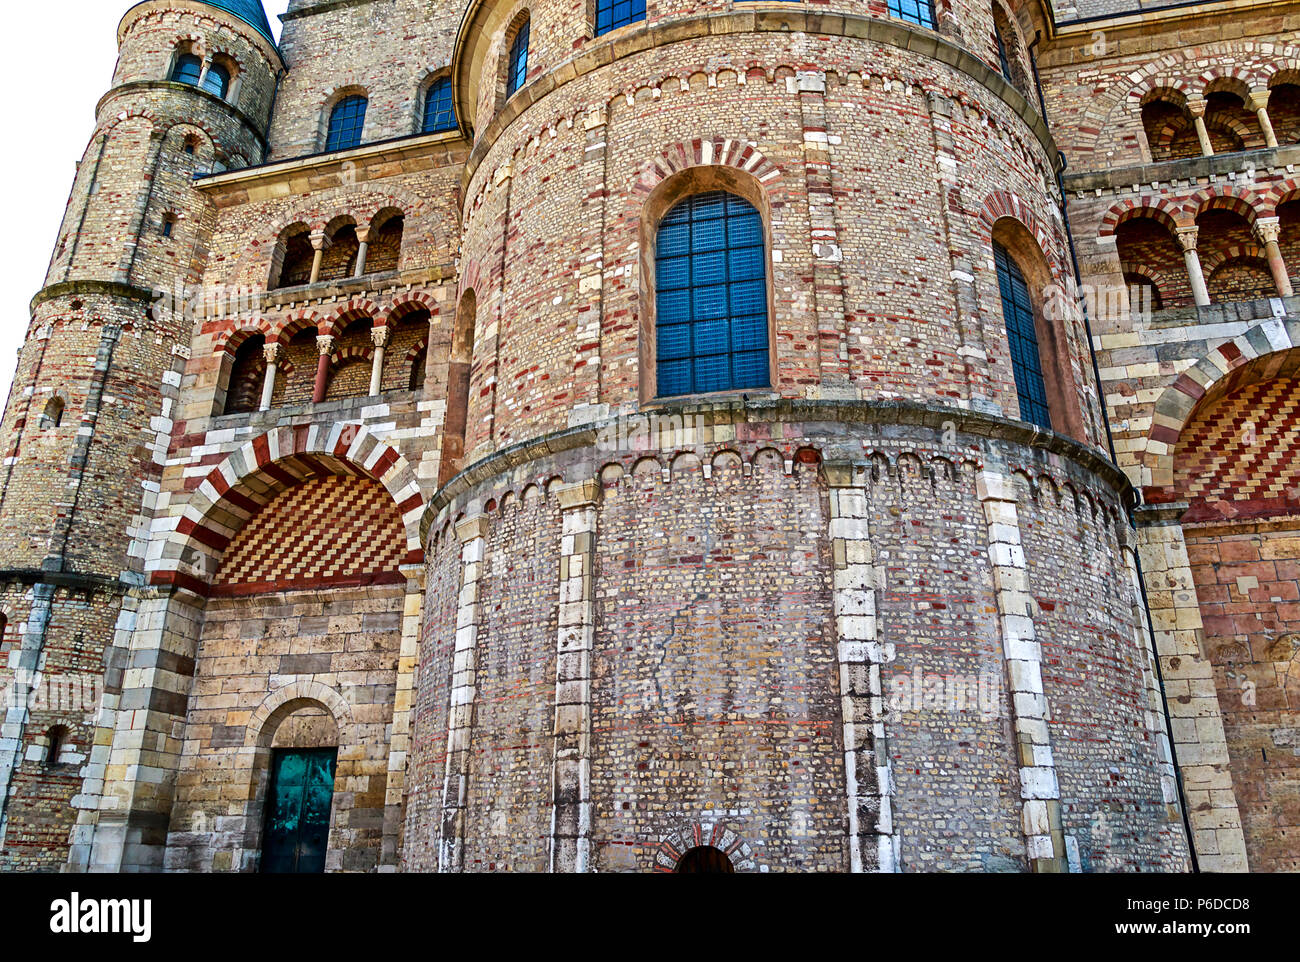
[472, 533]
[1040, 791]
[403, 703]
[574, 643]
[1195, 715]
[869, 783]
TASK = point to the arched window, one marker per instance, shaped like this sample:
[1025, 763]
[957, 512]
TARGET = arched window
[416, 382]
[439, 114]
[1022, 339]
[346, 122]
[53, 414]
[711, 297]
[517, 64]
[55, 739]
[187, 69]
[168, 224]
[1004, 62]
[919, 12]
[705, 859]
[247, 374]
[293, 258]
[612, 14]
[217, 80]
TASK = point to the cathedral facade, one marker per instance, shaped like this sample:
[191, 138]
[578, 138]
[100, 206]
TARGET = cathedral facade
[639, 436]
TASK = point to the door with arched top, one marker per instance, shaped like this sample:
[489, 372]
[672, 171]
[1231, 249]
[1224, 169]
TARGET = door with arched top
[298, 816]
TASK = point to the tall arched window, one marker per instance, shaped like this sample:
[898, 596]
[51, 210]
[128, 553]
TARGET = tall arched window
[52, 417]
[1022, 339]
[55, 739]
[217, 80]
[1004, 62]
[919, 12]
[438, 112]
[612, 14]
[347, 120]
[711, 297]
[187, 69]
[517, 63]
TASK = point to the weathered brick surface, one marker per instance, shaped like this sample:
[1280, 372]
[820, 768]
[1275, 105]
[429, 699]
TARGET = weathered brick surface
[593, 654]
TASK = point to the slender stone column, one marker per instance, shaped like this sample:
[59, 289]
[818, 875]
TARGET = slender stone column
[869, 783]
[325, 345]
[318, 247]
[1268, 230]
[1258, 102]
[472, 533]
[575, 640]
[363, 236]
[1197, 110]
[379, 336]
[1187, 238]
[1040, 792]
[272, 354]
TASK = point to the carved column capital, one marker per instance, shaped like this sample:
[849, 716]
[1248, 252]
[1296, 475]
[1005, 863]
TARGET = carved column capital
[1196, 106]
[379, 336]
[1257, 100]
[317, 238]
[324, 344]
[271, 352]
[1187, 237]
[1268, 230]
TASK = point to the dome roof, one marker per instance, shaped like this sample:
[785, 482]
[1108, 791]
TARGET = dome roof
[249, 11]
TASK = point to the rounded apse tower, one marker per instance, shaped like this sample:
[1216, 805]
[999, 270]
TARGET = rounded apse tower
[87, 425]
[781, 521]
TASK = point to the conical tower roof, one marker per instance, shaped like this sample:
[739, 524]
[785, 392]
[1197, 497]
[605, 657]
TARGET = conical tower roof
[249, 11]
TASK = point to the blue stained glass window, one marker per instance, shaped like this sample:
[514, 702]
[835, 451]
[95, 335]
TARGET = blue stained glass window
[612, 14]
[517, 65]
[919, 12]
[217, 80]
[187, 69]
[438, 112]
[346, 122]
[711, 297]
[1022, 339]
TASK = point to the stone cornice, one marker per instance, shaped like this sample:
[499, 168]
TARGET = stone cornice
[939, 418]
[1190, 169]
[446, 149]
[110, 288]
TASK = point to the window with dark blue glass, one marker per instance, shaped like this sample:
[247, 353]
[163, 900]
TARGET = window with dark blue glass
[919, 12]
[612, 14]
[711, 297]
[187, 69]
[517, 64]
[438, 112]
[1004, 62]
[346, 122]
[1022, 339]
[217, 80]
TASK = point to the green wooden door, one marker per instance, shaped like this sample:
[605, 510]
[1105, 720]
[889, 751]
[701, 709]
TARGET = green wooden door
[298, 810]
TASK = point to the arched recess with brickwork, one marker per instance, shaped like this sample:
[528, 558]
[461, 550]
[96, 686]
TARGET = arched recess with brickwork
[1236, 467]
[237, 489]
[1208, 377]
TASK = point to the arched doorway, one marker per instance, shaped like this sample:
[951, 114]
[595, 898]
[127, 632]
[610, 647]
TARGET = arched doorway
[705, 859]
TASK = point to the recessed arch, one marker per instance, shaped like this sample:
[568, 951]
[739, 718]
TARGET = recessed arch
[261, 469]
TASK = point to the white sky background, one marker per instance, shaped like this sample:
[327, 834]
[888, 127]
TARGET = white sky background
[58, 61]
